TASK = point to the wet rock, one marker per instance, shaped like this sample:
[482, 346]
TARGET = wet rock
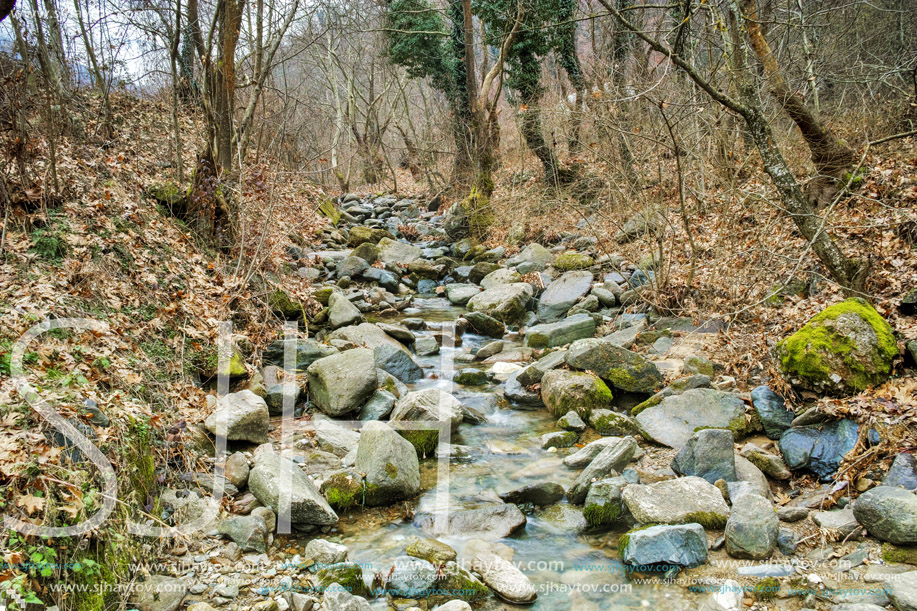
[426, 346]
[845, 349]
[683, 545]
[770, 464]
[391, 251]
[241, 416]
[818, 448]
[772, 411]
[534, 372]
[454, 605]
[431, 550]
[325, 552]
[544, 493]
[902, 473]
[379, 405]
[571, 422]
[483, 324]
[429, 405]
[582, 392]
[410, 578]
[342, 383]
[708, 454]
[507, 581]
[490, 522]
[459, 294]
[751, 531]
[609, 462]
[607, 422]
[603, 505]
[397, 361]
[248, 532]
[587, 453]
[674, 419]
[307, 506]
[568, 330]
[521, 397]
[506, 302]
[389, 463]
[889, 514]
[159, 593]
[338, 598]
[677, 501]
[559, 439]
[562, 294]
[622, 368]
[471, 377]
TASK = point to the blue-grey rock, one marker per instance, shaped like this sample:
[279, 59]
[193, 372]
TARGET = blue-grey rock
[609, 462]
[787, 541]
[622, 368]
[675, 419]
[772, 411]
[411, 578]
[305, 352]
[378, 406]
[566, 331]
[818, 448]
[709, 454]
[902, 473]
[398, 362]
[383, 278]
[751, 531]
[544, 493]
[562, 294]
[684, 545]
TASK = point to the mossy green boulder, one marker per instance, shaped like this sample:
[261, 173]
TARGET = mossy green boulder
[844, 350]
[572, 260]
[563, 391]
[329, 211]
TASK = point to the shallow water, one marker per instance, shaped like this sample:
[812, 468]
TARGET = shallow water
[570, 571]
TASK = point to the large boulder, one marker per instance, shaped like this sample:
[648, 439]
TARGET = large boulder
[682, 545]
[485, 325]
[709, 454]
[582, 392]
[562, 294]
[505, 302]
[390, 465]
[889, 514]
[674, 419]
[240, 416]
[307, 505]
[818, 448]
[845, 349]
[553, 334]
[623, 368]
[751, 531]
[428, 405]
[610, 462]
[396, 360]
[341, 383]
[399, 253]
[677, 501]
[341, 312]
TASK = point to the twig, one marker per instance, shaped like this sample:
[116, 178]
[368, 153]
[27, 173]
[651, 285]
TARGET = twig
[913, 132]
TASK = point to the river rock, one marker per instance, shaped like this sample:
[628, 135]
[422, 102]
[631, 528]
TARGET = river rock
[307, 506]
[571, 422]
[390, 464]
[770, 464]
[305, 352]
[480, 270]
[519, 395]
[454, 605]
[840, 520]
[351, 267]
[845, 349]
[709, 454]
[582, 392]
[673, 420]
[428, 405]
[533, 373]
[506, 302]
[771, 409]
[889, 514]
[545, 493]
[471, 377]
[818, 448]
[341, 312]
[410, 577]
[568, 330]
[533, 253]
[624, 369]
[902, 591]
[325, 552]
[585, 455]
[236, 469]
[240, 416]
[342, 383]
[379, 405]
[431, 550]
[397, 361]
[500, 276]
[338, 598]
[459, 294]
[426, 346]
[485, 325]
[751, 531]
[400, 253]
[508, 582]
[902, 473]
[159, 593]
[382, 277]
[677, 501]
[607, 422]
[683, 545]
[490, 522]
[609, 462]
[398, 332]
[603, 505]
[562, 294]
[249, 532]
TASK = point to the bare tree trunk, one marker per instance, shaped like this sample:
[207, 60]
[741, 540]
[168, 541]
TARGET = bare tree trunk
[832, 158]
[56, 40]
[95, 71]
[6, 7]
[176, 90]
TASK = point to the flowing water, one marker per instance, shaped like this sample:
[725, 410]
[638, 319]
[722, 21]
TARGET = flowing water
[569, 569]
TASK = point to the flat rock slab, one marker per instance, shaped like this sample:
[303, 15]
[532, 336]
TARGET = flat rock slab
[675, 419]
[676, 501]
[488, 523]
[684, 545]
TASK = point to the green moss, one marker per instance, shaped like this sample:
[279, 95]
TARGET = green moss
[329, 211]
[708, 519]
[572, 260]
[349, 576]
[613, 424]
[601, 515]
[423, 440]
[281, 303]
[648, 338]
[802, 355]
[322, 295]
[651, 402]
[899, 553]
[167, 194]
[766, 589]
[458, 580]
[620, 377]
[391, 470]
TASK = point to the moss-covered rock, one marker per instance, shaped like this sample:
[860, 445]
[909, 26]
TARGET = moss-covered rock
[903, 554]
[573, 260]
[281, 303]
[329, 211]
[845, 349]
[343, 490]
[581, 392]
[167, 193]
[323, 295]
[349, 576]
